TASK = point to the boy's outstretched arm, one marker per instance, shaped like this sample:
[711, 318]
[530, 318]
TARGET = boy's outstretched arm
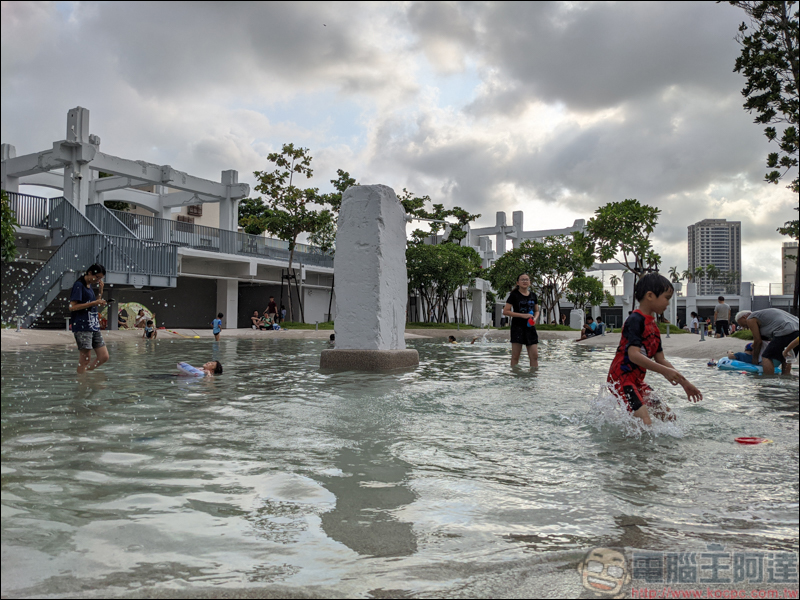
[662, 365]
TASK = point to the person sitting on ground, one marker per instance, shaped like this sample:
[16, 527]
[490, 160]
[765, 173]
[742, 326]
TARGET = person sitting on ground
[601, 327]
[149, 332]
[257, 322]
[141, 319]
[211, 368]
[268, 321]
[778, 327]
[588, 330]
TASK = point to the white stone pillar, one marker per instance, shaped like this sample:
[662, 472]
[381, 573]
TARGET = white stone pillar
[517, 219]
[627, 294]
[371, 283]
[500, 236]
[745, 297]
[691, 301]
[576, 318]
[228, 302]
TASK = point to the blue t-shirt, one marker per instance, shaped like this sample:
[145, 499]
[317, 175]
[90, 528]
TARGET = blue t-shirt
[217, 324]
[743, 357]
[85, 319]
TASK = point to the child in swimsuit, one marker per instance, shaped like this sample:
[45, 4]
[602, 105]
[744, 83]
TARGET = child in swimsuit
[150, 332]
[211, 368]
[640, 351]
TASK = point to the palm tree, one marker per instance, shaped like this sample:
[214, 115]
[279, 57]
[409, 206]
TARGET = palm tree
[698, 274]
[713, 273]
[614, 280]
[733, 282]
[687, 275]
[674, 275]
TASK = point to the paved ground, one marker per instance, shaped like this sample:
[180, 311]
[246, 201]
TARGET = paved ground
[682, 345]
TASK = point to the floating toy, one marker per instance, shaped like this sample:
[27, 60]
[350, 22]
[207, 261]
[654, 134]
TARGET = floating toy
[197, 337]
[726, 364]
[752, 441]
[190, 370]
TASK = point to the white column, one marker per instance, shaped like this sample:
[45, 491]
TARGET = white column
[517, 219]
[500, 236]
[627, 294]
[745, 299]
[691, 301]
[10, 184]
[228, 302]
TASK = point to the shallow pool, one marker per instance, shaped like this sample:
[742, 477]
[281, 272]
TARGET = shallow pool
[457, 478]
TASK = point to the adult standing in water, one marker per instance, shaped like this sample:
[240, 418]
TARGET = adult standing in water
[523, 308]
[85, 323]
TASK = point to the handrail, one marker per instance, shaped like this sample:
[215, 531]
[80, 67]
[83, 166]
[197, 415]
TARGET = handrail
[107, 221]
[212, 239]
[115, 253]
[64, 214]
[30, 211]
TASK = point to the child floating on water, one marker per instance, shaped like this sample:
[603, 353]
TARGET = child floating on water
[452, 339]
[639, 345]
[211, 368]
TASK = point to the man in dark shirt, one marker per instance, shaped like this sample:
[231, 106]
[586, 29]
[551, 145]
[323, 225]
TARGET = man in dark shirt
[84, 320]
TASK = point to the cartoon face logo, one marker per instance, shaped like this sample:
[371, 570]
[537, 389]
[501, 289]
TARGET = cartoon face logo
[603, 572]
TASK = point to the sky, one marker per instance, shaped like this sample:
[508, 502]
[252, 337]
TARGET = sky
[552, 108]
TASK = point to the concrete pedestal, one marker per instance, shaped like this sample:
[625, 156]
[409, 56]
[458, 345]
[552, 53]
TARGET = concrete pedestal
[368, 360]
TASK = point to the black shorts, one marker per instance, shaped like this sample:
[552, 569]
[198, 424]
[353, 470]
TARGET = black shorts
[526, 336]
[722, 327]
[778, 345]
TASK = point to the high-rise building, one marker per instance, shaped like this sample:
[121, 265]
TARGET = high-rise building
[716, 242]
[789, 266]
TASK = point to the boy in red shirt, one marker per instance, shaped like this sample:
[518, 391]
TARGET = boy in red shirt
[640, 350]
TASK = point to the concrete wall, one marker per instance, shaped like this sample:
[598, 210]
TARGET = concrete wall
[191, 305]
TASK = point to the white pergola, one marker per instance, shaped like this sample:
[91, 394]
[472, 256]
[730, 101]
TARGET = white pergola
[80, 157]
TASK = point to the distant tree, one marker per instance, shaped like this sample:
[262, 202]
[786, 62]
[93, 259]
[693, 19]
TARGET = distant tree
[699, 273]
[688, 275]
[7, 226]
[586, 290]
[286, 213]
[770, 62]
[625, 228]
[459, 218]
[614, 280]
[551, 265]
[713, 273]
[674, 275]
[437, 271]
[325, 236]
[113, 204]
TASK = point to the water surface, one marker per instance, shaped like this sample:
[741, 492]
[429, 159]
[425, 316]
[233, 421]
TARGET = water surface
[438, 481]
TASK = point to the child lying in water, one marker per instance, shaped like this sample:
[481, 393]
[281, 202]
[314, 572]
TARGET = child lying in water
[211, 368]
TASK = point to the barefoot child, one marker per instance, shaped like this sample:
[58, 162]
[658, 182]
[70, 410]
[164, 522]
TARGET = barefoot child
[217, 325]
[640, 350]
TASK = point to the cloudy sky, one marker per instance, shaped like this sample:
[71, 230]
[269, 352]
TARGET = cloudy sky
[550, 108]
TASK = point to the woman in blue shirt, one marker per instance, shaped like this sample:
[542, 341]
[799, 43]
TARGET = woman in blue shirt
[85, 322]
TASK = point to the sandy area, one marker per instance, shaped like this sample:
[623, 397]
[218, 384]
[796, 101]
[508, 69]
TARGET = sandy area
[681, 345]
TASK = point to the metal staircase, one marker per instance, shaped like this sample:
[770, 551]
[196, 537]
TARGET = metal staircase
[101, 238]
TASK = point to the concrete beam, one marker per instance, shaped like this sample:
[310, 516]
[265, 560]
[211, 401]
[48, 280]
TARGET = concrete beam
[48, 180]
[107, 184]
[146, 200]
[184, 199]
[166, 175]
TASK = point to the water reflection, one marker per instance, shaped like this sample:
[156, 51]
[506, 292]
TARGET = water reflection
[373, 484]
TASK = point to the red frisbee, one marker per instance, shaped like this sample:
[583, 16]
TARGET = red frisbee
[750, 441]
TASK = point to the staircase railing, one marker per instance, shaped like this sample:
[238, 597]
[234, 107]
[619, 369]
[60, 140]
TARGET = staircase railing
[30, 211]
[107, 221]
[115, 253]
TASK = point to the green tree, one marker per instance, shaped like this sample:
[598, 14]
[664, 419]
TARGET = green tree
[674, 275]
[770, 63]
[7, 227]
[325, 236]
[585, 289]
[624, 228]
[286, 213]
[713, 273]
[614, 281]
[551, 265]
[437, 271]
[459, 218]
[688, 275]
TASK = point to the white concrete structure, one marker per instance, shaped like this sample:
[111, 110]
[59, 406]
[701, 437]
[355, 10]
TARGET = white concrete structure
[371, 279]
